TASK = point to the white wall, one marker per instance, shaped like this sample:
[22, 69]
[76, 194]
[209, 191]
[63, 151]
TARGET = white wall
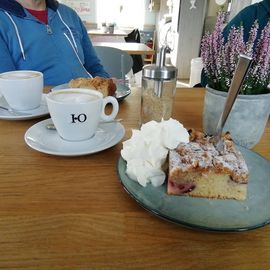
[85, 8]
[188, 36]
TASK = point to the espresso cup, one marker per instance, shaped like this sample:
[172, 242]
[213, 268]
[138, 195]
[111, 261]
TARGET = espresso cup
[76, 112]
[22, 89]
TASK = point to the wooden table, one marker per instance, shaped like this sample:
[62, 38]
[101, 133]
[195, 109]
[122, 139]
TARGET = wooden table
[72, 213]
[130, 47]
[100, 32]
[97, 35]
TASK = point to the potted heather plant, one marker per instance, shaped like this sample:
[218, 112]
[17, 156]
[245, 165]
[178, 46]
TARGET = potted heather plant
[251, 110]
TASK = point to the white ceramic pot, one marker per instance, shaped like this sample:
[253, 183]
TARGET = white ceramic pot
[247, 120]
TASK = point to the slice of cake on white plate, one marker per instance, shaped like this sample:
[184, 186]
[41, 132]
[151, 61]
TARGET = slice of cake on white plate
[198, 169]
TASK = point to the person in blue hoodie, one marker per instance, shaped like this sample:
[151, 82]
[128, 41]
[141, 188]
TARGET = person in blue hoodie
[46, 36]
[246, 17]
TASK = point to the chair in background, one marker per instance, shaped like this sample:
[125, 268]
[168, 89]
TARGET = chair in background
[134, 36]
[149, 39]
[116, 62]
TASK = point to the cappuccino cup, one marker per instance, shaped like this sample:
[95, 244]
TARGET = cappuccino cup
[22, 89]
[76, 112]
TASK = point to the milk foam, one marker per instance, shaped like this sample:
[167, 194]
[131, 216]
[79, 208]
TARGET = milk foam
[74, 97]
[19, 75]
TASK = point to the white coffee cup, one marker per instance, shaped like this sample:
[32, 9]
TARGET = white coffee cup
[22, 89]
[76, 112]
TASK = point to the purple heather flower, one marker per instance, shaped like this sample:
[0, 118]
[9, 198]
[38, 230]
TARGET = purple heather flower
[220, 58]
[252, 37]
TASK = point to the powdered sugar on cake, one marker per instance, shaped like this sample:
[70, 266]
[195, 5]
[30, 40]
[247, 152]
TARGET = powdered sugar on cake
[202, 155]
[198, 169]
[192, 155]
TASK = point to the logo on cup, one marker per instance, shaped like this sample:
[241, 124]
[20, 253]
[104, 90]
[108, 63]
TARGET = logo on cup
[80, 118]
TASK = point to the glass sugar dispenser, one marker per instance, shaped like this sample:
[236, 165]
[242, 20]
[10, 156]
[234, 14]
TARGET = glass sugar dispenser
[158, 89]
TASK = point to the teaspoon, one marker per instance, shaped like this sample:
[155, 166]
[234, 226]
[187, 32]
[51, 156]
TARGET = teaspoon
[14, 112]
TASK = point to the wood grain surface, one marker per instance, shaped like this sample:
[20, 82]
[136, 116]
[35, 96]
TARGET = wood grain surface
[72, 212]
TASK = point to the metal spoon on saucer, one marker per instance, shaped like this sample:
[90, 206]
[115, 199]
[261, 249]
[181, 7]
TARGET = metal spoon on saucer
[14, 112]
[240, 73]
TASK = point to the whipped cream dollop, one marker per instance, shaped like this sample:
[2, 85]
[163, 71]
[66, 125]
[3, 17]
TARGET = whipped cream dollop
[147, 149]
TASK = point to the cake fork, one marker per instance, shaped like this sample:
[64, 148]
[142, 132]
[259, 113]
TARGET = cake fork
[240, 73]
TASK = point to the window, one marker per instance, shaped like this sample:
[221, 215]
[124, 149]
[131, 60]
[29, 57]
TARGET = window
[124, 13]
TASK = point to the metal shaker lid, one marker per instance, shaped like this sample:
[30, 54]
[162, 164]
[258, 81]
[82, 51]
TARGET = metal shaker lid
[159, 73]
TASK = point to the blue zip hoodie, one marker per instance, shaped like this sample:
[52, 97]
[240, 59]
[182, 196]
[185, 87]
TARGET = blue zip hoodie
[61, 50]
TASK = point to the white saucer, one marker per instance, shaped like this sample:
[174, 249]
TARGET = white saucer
[35, 113]
[48, 141]
[122, 90]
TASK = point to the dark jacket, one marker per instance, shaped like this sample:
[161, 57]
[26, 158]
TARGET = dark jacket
[134, 36]
[246, 17]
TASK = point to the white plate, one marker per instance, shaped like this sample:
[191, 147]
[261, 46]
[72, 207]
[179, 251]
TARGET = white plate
[48, 141]
[35, 113]
[121, 92]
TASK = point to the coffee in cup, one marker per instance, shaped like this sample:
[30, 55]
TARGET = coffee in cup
[76, 112]
[22, 89]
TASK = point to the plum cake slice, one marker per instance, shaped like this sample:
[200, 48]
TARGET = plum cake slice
[198, 169]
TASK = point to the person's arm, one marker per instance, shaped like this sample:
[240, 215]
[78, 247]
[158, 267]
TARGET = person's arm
[6, 63]
[92, 62]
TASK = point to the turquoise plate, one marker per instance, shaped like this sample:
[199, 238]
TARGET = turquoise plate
[211, 215]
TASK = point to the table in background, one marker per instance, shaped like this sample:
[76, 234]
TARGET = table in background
[72, 212]
[100, 32]
[98, 35]
[130, 47]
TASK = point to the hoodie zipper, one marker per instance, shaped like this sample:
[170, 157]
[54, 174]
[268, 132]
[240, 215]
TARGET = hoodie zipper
[49, 29]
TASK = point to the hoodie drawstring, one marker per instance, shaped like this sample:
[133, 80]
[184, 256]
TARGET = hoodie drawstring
[77, 55]
[17, 34]
[70, 32]
[72, 43]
